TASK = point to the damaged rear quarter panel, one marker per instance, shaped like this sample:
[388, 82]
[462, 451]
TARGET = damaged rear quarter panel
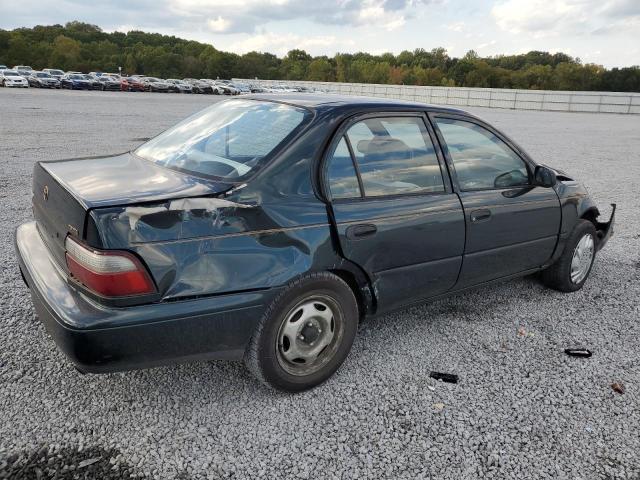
[225, 247]
[262, 235]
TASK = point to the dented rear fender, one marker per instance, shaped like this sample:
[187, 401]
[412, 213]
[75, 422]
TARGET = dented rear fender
[207, 245]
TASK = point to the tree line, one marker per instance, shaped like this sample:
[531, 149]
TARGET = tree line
[83, 47]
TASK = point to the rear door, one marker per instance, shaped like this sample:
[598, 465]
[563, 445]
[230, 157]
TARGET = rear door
[396, 214]
[512, 225]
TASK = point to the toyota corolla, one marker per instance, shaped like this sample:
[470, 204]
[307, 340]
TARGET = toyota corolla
[265, 228]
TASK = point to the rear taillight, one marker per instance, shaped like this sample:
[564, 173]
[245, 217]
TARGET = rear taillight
[110, 273]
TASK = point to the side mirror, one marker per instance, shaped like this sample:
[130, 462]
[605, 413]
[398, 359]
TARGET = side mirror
[544, 177]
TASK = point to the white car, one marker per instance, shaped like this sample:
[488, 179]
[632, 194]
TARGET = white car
[11, 78]
[24, 70]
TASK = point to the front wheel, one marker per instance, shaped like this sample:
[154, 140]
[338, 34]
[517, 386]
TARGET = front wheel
[305, 334]
[572, 269]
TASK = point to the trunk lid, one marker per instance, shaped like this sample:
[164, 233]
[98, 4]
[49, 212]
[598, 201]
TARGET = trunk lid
[65, 191]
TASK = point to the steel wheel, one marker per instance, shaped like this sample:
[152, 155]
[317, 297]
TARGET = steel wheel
[582, 258]
[309, 335]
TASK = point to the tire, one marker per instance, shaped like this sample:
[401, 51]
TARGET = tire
[559, 276]
[299, 310]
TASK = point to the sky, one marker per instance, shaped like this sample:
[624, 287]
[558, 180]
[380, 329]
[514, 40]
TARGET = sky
[605, 32]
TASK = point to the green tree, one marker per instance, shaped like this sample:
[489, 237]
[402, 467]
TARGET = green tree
[65, 53]
[320, 69]
[85, 47]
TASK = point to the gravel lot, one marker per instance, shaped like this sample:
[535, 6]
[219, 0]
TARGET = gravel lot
[522, 408]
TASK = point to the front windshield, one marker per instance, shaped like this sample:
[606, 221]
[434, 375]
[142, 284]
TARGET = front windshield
[226, 140]
[76, 77]
[10, 73]
[43, 75]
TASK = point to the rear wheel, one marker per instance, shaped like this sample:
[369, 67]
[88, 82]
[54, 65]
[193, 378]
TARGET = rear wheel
[572, 269]
[305, 334]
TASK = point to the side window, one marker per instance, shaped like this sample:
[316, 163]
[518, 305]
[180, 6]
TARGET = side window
[481, 160]
[395, 156]
[343, 181]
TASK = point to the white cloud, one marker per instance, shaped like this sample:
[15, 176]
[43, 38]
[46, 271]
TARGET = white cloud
[281, 44]
[545, 18]
[539, 17]
[247, 15]
[456, 26]
[219, 24]
[486, 44]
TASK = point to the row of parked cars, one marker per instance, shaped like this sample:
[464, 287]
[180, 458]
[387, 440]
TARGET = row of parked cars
[25, 77]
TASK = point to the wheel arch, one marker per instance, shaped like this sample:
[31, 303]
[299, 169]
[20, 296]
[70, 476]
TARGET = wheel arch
[591, 214]
[359, 285]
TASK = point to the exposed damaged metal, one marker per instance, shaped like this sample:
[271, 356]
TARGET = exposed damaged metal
[134, 213]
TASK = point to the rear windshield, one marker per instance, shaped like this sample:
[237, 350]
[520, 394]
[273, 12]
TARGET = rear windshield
[226, 140]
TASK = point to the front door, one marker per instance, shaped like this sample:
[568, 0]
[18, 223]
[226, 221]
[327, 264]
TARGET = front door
[512, 225]
[396, 214]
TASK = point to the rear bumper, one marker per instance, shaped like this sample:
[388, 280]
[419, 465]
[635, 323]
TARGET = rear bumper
[99, 339]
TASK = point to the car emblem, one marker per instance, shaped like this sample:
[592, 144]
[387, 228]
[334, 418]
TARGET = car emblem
[45, 193]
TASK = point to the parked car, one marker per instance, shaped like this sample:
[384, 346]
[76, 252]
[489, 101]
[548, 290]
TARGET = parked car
[11, 78]
[264, 228]
[226, 88]
[178, 86]
[54, 72]
[3, 67]
[94, 81]
[242, 88]
[132, 84]
[75, 81]
[109, 83]
[199, 86]
[153, 84]
[23, 70]
[42, 80]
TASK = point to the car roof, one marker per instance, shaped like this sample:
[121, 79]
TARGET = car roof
[326, 101]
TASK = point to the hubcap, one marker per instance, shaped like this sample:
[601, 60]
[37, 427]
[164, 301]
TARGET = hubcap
[309, 335]
[582, 258]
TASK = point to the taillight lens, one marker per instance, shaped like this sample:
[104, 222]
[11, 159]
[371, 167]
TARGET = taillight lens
[110, 273]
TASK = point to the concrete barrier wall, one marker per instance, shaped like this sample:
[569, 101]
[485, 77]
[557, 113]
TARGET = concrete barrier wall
[596, 102]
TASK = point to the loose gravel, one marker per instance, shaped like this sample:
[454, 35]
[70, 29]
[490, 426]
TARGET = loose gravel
[521, 409]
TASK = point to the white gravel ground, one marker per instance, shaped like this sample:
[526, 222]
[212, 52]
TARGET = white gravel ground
[522, 408]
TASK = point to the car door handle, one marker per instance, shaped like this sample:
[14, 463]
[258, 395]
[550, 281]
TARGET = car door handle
[356, 232]
[481, 215]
